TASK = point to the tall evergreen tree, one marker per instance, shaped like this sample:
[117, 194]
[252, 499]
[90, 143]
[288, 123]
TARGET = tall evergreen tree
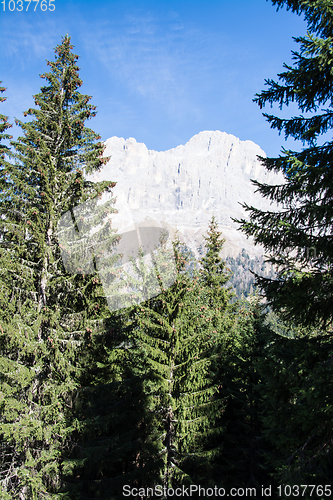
[49, 314]
[295, 373]
[177, 334]
[241, 335]
[116, 437]
[299, 237]
[242, 460]
[4, 164]
[114, 419]
[6, 449]
[214, 276]
[161, 415]
[4, 125]
[296, 377]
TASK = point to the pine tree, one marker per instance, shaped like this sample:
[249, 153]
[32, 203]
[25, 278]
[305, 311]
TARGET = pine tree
[4, 125]
[296, 371]
[299, 236]
[4, 149]
[214, 277]
[115, 445]
[50, 314]
[6, 449]
[114, 418]
[296, 382]
[4, 164]
[240, 336]
[164, 410]
[177, 335]
[243, 444]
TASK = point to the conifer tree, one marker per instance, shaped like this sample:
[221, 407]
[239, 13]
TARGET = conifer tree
[4, 151]
[296, 382]
[4, 125]
[242, 460]
[239, 328]
[6, 449]
[214, 276]
[299, 236]
[116, 435]
[177, 335]
[49, 314]
[114, 420]
[163, 408]
[295, 373]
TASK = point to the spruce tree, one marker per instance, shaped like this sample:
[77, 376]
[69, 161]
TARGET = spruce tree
[240, 336]
[4, 125]
[214, 276]
[161, 411]
[115, 438]
[295, 372]
[4, 164]
[242, 460]
[299, 236]
[49, 314]
[114, 419]
[6, 450]
[296, 382]
[176, 333]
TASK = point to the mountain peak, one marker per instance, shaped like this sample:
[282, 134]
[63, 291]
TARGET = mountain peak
[186, 185]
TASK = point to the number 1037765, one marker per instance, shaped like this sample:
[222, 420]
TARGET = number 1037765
[312, 491]
[21, 5]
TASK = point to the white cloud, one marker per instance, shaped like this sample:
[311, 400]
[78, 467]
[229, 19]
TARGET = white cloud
[27, 42]
[154, 59]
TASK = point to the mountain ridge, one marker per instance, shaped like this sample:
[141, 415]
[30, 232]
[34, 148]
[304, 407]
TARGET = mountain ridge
[186, 185]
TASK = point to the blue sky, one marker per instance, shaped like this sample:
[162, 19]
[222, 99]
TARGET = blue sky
[158, 71]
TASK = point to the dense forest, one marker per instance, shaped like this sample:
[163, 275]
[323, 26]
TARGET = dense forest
[217, 385]
[243, 270]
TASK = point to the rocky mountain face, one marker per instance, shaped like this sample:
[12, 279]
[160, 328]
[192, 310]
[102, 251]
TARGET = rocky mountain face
[183, 187]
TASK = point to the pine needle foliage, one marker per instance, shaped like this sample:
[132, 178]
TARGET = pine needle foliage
[113, 420]
[296, 377]
[299, 236]
[117, 440]
[4, 125]
[240, 333]
[6, 450]
[214, 276]
[47, 314]
[242, 460]
[176, 334]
